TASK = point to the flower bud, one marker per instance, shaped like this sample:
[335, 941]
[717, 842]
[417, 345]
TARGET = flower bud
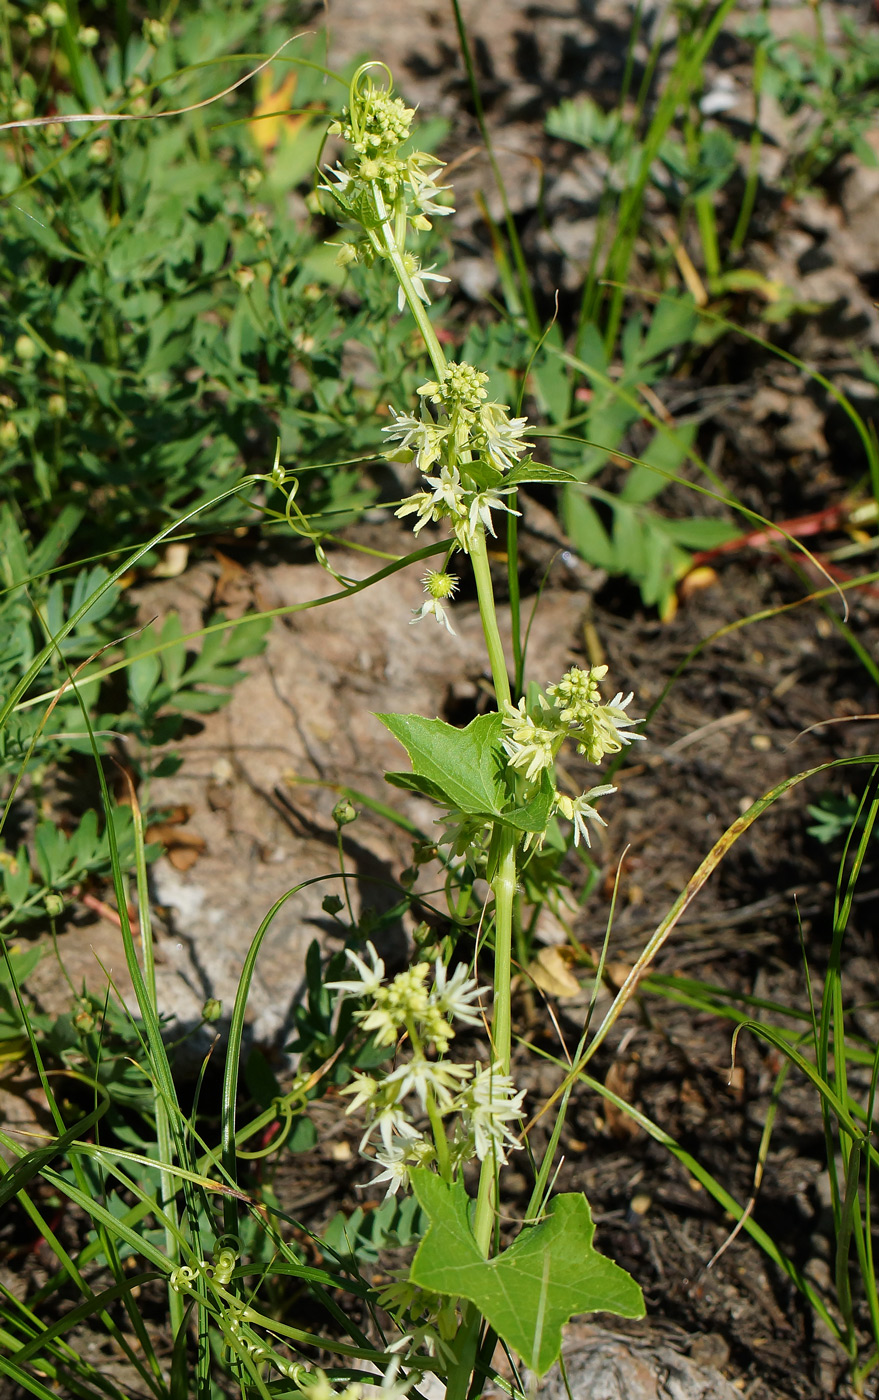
[344, 812]
[56, 405]
[55, 15]
[244, 277]
[84, 1020]
[88, 36]
[155, 31]
[25, 348]
[21, 109]
[212, 1010]
[346, 255]
[36, 26]
[54, 905]
[139, 103]
[8, 433]
[331, 904]
[100, 151]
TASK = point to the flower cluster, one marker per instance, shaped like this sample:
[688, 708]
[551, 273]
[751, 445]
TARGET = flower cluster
[377, 126]
[377, 185]
[480, 1099]
[533, 734]
[463, 445]
[461, 442]
[407, 1005]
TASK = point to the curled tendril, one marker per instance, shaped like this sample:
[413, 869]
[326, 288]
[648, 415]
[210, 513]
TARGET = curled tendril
[357, 86]
[183, 1278]
[224, 1264]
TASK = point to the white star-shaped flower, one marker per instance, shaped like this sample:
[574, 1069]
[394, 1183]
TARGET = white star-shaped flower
[370, 978]
[432, 607]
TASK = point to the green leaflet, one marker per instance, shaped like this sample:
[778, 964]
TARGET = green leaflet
[527, 1293]
[464, 768]
[529, 470]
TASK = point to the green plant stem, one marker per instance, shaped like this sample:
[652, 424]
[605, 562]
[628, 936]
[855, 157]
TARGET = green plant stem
[488, 614]
[164, 1134]
[515, 603]
[439, 1137]
[752, 178]
[504, 881]
[707, 221]
[503, 887]
[388, 245]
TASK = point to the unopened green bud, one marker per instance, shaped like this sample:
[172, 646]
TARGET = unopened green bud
[100, 151]
[344, 812]
[56, 405]
[55, 15]
[88, 36]
[25, 348]
[244, 277]
[331, 904]
[256, 226]
[212, 1010]
[8, 433]
[36, 26]
[138, 102]
[54, 905]
[346, 255]
[155, 31]
[21, 109]
[61, 358]
[251, 178]
[84, 1020]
